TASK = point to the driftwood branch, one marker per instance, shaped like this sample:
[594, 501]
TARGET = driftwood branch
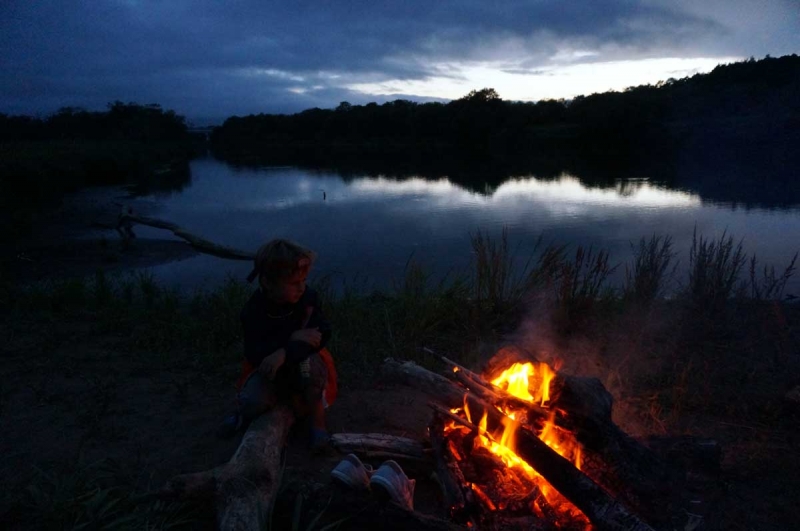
[244, 489]
[201, 244]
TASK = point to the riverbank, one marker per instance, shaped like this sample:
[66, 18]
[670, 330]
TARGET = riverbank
[76, 238]
[110, 387]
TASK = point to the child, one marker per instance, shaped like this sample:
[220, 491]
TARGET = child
[285, 334]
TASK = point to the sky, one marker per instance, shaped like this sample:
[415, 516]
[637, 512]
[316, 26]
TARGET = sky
[210, 59]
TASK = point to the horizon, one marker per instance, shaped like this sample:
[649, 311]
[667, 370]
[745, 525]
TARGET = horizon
[208, 62]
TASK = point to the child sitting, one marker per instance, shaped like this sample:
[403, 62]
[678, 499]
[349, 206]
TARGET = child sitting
[284, 335]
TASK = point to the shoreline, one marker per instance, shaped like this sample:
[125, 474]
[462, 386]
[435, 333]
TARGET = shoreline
[76, 239]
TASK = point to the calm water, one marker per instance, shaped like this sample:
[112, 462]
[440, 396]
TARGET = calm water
[367, 228]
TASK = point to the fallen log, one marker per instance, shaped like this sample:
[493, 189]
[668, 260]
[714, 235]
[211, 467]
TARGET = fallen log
[201, 244]
[244, 489]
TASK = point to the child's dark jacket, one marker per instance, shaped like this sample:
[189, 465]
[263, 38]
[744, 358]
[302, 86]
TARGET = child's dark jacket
[268, 327]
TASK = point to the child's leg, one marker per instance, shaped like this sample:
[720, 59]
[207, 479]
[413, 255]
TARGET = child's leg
[258, 395]
[318, 415]
[313, 403]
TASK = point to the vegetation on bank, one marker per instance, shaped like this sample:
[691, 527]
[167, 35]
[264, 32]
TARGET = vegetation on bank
[40, 159]
[722, 318]
[746, 100]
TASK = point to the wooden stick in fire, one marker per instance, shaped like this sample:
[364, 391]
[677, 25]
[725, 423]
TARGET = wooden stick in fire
[490, 392]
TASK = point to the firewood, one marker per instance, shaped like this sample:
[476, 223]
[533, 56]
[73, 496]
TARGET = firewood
[447, 471]
[534, 415]
[378, 442]
[244, 489]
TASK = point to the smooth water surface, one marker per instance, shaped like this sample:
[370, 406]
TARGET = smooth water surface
[366, 229]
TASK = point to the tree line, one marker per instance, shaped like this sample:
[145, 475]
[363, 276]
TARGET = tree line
[141, 145]
[481, 122]
[121, 121]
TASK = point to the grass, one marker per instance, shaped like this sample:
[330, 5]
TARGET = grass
[714, 270]
[647, 277]
[688, 370]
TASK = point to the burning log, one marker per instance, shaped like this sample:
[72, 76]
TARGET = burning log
[244, 489]
[450, 477]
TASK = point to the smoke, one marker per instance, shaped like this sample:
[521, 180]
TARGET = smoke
[626, 351]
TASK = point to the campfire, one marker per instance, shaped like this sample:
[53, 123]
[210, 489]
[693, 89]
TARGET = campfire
[525, 446]
[502, 483]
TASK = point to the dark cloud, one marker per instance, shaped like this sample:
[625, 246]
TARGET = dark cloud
[210, 58]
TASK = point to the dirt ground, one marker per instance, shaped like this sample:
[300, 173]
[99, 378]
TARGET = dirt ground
[70, 398]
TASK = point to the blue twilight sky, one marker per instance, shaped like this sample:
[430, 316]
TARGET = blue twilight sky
[211, 59]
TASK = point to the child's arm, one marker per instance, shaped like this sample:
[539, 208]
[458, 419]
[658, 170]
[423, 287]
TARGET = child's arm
[300, 347]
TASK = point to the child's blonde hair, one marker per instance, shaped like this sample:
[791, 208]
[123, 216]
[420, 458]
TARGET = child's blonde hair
[279, 259]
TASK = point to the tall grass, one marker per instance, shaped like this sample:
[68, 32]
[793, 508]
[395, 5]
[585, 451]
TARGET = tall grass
[581, 284]
[450, 314]
[768, 285]
[646, 278]
[714, 270]
[199, 328]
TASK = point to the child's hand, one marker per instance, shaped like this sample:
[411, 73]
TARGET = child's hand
[270, 365]
[312, 336]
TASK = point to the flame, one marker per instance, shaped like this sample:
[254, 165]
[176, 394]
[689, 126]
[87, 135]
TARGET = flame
[518, 379]
[532, 384]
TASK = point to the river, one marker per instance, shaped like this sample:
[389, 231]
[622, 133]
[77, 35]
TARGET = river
[367, 228]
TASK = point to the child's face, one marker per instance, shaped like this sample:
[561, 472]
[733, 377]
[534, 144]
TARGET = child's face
[286, 291]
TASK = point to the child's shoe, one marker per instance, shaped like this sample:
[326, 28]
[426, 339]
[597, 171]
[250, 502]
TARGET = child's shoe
[391, 479]
[352, 473]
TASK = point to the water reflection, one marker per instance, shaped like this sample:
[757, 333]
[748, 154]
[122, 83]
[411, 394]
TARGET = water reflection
[372, 225]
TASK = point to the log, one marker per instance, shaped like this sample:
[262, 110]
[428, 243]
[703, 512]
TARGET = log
[434, 385]
[244, 489]
[378, 442]
[201, 244]
[534, 415]
[602, 510]
[450, 477]
[599, 507]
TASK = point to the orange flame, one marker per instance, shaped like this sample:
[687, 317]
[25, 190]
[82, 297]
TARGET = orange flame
[532, 384]
[518, 380]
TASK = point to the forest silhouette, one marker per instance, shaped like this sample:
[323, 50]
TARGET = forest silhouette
[740, 119]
